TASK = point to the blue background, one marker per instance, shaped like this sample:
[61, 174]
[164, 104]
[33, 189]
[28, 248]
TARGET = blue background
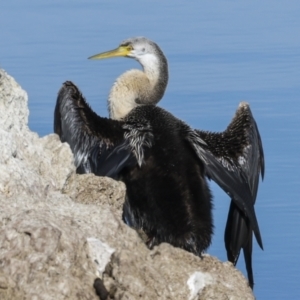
[219, 53]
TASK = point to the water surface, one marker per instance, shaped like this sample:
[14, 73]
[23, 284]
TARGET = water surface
[219, 53]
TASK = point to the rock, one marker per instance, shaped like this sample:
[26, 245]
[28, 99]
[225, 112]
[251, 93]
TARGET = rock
[62, 236]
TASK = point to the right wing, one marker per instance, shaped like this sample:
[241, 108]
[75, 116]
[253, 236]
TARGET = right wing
[234, 159]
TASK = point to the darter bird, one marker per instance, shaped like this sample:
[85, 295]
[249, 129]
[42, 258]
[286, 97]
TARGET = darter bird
[165, 163]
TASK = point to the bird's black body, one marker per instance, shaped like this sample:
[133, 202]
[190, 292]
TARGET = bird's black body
[168, 196]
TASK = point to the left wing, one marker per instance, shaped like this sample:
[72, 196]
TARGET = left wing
[98, 143]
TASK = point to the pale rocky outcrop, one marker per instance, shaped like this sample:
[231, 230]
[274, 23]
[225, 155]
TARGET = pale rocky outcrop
[60, 231]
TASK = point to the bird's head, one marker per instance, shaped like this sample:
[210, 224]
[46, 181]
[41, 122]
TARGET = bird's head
[142, 49]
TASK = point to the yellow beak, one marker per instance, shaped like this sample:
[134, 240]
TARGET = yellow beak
[120, 51]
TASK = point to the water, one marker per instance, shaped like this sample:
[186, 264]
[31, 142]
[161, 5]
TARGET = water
[220, 53]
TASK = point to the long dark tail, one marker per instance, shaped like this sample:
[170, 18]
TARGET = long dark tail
[238, 235]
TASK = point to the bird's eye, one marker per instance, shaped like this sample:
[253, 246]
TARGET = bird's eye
[143, 49]
[129, 47]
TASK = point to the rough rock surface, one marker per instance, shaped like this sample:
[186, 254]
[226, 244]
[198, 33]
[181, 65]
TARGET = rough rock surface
[60, 231]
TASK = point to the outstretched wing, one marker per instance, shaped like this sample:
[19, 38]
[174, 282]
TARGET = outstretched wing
[234, 159]
[98, 144]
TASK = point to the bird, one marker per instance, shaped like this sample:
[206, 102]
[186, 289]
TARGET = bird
[164, 163]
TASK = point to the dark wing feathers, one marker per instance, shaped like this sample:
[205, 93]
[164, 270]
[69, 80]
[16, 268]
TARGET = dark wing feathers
[234, 160]
[98, 143]
[239, 147]
[231, 180]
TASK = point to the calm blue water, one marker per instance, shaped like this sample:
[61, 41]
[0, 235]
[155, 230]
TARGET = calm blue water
[220, 53]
